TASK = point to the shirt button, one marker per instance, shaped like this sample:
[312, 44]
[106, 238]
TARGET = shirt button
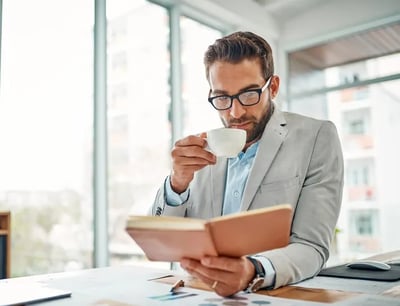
[236, 194]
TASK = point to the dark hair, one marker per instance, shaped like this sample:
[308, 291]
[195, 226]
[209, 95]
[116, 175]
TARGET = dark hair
[239, 46]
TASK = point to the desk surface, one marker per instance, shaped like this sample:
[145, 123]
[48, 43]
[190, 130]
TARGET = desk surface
[136, 285]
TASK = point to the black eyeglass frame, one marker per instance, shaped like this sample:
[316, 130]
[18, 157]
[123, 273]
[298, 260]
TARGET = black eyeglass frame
[257, 90]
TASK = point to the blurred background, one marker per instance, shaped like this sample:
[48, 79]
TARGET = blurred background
[93, 93]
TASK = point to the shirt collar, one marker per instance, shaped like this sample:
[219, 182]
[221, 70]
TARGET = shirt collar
[250, 152]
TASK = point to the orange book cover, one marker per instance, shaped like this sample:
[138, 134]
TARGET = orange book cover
[164, 238]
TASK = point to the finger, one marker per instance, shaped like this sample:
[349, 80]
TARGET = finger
[193, 155]
[236, 273]
[189, 159]
[191, 140]
[219, 286]
[204, 273]
[193, 146]
[206, 280]
[227, 283]
[195, 267]
[224, 263]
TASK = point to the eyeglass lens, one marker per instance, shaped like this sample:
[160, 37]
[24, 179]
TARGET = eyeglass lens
[249, 97]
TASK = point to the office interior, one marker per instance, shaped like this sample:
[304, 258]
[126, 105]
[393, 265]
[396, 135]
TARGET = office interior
[94, 93]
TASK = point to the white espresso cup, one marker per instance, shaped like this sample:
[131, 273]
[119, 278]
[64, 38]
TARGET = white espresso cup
[226, 142]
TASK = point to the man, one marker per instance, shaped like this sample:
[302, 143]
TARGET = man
[288, 158]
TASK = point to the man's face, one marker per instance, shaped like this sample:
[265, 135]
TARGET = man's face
[231, 79]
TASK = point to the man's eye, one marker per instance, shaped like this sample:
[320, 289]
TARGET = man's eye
[248, 94]
[222, 98]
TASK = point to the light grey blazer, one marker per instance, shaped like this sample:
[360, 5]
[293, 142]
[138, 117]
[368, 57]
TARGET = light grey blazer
[299, 161]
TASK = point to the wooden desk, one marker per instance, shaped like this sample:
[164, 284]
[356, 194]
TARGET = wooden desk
[5, 245]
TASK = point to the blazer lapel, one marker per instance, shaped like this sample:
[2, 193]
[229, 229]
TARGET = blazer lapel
[270, 142]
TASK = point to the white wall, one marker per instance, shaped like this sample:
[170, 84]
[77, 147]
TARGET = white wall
[244, 15]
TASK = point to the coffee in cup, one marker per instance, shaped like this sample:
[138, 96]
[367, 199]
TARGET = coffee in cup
[226, 142]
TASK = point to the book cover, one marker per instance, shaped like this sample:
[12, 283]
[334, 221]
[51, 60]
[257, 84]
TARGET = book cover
[164, 238]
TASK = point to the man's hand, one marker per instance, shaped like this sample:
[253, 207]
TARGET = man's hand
[225, 275]
[188, 156]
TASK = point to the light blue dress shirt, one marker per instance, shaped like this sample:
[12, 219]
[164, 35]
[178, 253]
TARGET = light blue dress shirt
[238, 171]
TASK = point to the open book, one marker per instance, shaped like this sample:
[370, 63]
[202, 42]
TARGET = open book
[165, 238]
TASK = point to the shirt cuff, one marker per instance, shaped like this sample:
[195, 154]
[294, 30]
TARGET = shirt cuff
[173, 198]
[269, 278]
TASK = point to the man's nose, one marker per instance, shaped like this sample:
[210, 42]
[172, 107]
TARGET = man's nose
[237, 110]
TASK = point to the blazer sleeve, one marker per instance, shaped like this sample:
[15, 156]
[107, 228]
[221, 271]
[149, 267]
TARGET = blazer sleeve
[316, 212]
[160, 206]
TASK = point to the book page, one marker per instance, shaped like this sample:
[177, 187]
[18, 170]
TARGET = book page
[258, 211]
[165, 222]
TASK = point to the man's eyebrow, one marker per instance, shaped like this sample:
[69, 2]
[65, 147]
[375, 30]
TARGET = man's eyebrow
[224, 92]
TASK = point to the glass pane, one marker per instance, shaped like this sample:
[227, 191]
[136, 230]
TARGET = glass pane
[199, 115]
[314, 106]
[368, 125]
[364, 70]
[138, 128]
[46, 133]
[303, 79]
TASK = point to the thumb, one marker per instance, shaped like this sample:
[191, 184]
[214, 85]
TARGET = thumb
[203, 135]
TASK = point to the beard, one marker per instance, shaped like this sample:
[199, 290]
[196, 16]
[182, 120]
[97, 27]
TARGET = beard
[258, 125]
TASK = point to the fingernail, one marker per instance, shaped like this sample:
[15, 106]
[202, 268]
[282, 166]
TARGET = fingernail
[205, 261]
[184, 263]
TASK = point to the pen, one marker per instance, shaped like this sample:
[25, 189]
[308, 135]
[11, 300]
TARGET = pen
[179, 283]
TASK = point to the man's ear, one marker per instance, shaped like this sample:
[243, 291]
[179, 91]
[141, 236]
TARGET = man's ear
[274, 88]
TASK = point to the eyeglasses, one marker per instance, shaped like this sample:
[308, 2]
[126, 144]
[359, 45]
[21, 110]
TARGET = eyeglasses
[246, 98]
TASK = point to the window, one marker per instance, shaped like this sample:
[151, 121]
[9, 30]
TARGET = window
[139, 133]
[363, 223]
[364, 230]
[199, 115]
[366, 116]
[46, 133]
[357, 126]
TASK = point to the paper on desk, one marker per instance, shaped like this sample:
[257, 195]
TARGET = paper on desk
[109, 302]
[16, 294]
[369, 300]
[158, 294]
[155, 293]
[200, 297]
